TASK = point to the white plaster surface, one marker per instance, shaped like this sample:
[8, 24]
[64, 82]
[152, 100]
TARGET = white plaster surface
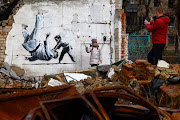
[76, 22]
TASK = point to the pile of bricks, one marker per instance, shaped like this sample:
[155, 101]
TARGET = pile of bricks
[141, 70]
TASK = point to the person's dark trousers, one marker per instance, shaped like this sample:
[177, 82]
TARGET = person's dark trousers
[94, 65]
[64, 51]
[155, 53]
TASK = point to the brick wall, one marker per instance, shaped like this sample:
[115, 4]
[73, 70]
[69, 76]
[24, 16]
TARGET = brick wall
[120, 37]
[5, 28]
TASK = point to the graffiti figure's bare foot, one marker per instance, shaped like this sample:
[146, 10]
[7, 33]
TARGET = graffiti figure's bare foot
[42, 11]
[24, 26]
[47, 35]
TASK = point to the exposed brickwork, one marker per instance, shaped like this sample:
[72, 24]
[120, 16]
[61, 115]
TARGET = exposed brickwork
[116, 44]
[140, 70]
[123, 33]
[120, 40]
[5, 28]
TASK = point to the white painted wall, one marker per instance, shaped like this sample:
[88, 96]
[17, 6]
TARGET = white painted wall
[76, 22]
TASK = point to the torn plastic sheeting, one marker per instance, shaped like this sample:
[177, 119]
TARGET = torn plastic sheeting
[54, 82]
[75, 76]
[162, 63]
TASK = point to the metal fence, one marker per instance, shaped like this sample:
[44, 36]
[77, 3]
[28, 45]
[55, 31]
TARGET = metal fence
[138, 45]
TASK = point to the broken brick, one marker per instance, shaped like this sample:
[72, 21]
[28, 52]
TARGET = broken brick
[170, 95]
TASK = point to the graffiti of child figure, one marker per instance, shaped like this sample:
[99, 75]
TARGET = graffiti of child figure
[32, 43]
[66, 48]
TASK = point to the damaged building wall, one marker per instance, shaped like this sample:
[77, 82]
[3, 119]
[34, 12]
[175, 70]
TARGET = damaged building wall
[77, 22]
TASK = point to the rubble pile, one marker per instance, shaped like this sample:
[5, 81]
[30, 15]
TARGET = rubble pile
[134, 76]
[13, 77]
[140, 70]
[165, 73]
[91, 83]
[163, 82]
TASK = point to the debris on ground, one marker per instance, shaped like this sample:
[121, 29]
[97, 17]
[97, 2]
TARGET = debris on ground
[158, 84]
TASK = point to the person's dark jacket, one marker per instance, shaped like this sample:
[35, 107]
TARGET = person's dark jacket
[159, 29]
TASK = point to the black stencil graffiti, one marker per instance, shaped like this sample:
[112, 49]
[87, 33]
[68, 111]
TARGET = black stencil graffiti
[32, 42]
[66, 48]
[41, 51]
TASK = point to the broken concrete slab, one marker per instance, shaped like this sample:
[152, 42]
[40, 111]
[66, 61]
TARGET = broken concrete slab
[75, 76]
[6, 69]
[6, 66]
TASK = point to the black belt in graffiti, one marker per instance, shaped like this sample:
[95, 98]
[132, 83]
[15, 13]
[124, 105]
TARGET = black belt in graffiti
[35, 49]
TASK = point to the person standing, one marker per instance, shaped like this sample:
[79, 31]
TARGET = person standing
[159, 32]
[96, 57]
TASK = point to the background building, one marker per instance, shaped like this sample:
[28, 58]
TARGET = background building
[137, 10]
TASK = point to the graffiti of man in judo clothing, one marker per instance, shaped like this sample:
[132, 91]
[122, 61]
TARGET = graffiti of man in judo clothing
[66, 48]
[32, 42]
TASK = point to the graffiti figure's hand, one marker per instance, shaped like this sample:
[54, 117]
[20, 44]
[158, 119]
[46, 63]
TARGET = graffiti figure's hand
[26, 58]
[47, 35]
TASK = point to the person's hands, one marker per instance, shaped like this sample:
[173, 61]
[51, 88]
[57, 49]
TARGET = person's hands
[151, 19]
[146, 22]
[86, 46]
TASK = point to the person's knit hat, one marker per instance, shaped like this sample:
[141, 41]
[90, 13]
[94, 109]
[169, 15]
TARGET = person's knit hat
[94, 41]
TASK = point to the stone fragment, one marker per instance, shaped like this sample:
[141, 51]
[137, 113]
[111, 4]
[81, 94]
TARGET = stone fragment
[134, 85]
[19, 71]
[104, 68]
